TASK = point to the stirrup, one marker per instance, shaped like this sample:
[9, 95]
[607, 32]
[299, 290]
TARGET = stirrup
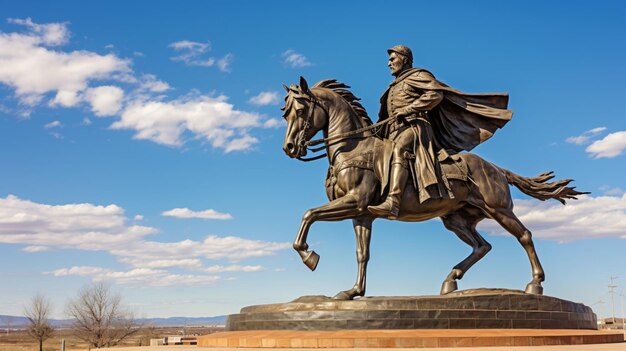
[388, 208]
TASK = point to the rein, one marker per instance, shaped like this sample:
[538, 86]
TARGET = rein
[334, 138]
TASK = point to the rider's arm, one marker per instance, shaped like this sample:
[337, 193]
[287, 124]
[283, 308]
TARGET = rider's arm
[426, 99]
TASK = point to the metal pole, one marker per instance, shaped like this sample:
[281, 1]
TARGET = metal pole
[612, 287]
[623, 319]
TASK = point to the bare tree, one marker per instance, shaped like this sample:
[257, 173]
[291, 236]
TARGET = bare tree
[99, 317]
[38, 312]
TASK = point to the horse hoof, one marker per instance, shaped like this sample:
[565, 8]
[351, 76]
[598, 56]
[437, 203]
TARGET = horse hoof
[448, 286]
[311, 260]
[535, 289]
[344, 295]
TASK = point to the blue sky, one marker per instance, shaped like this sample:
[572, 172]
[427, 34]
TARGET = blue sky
[140, 144]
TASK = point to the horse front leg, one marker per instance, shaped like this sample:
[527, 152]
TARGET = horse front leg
[336, 210]
[363, 231]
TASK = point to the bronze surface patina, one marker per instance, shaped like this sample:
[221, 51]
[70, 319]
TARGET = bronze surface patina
[410, 165]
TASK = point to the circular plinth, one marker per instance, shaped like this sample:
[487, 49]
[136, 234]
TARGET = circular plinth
[469, 309]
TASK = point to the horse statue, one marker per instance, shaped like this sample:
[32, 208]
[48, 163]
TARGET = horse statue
[358, 160]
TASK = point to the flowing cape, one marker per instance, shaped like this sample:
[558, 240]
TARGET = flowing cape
[461, 121]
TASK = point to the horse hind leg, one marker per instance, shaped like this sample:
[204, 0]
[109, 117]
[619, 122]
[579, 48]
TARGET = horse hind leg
[463, 224]
[509, 221]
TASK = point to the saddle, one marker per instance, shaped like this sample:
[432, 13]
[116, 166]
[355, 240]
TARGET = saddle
[378, 160]
[452, 166]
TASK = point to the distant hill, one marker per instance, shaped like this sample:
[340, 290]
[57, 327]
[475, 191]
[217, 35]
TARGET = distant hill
[185, 321]
[20, 322]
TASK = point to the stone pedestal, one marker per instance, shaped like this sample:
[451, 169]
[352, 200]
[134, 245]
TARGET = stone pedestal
[427, 338]
[469, 309]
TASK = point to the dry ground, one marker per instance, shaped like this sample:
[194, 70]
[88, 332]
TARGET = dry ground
[20, 341]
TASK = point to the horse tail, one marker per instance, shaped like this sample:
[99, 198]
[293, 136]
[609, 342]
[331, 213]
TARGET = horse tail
[539, 187]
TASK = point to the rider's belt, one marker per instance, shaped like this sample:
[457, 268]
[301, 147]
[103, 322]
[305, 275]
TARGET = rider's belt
[421, 115]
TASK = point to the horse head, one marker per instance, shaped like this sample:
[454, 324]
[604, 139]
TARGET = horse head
[305, 117]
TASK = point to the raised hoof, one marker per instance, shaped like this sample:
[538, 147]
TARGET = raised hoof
[448, 286]
[311, 260]
[535, 289]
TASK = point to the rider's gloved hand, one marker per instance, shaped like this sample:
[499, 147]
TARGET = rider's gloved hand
[400, 113]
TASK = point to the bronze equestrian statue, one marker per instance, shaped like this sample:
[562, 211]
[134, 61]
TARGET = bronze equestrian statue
[422, 127]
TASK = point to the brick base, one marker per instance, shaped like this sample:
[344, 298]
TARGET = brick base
[407, 338]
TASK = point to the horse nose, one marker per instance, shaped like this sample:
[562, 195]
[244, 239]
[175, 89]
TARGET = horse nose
[289, 148]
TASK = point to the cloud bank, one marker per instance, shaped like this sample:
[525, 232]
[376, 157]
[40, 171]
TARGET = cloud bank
[90, 227]
[187, 213]
[612, 145]
[34, 66]
[586, 218]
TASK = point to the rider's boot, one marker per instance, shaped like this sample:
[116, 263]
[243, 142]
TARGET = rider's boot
[391, 207]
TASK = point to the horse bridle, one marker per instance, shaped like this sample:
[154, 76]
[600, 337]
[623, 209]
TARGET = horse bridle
[302, 135]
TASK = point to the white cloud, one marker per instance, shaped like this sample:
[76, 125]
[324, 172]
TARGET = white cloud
[610, 146]
[86, 122]
[187, 213]
[56, 135]
[224, 63]
[274, 123]
[234, 268]
[586, 136]
[192, 54]
[37, 72]
[240, 144]
[28, 65]
[51, 34]
[188, 263]
[72, 226]
[105, 228]
[191, 46]
[614, 192]
[295, 60]
[136, 276]
[66, 98]
[265, 98]
[52, 124]
[77, 270]
[138, 218]
[35, 249]
[213, 247]
[105, 100]
[208, 118]
[147, 276]
[586, 218]
[151, 83]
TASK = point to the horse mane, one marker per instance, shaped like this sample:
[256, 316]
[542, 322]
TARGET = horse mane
[342, 90]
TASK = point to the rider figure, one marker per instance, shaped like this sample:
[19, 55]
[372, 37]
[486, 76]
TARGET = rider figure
[411, 131]
[430, 120]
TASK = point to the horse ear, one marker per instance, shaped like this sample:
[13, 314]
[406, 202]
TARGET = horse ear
[286, 88]
[305, 86]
